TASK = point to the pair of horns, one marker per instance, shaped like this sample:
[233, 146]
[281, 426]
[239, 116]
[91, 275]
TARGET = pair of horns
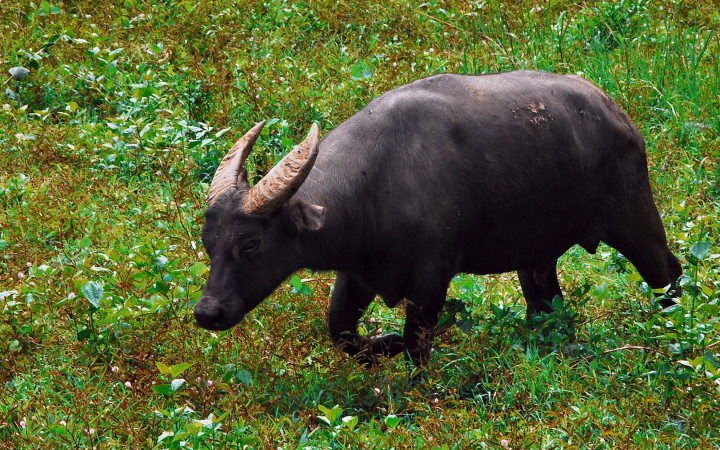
[277, 186]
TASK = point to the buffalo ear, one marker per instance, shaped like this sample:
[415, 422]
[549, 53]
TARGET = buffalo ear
[305, 216]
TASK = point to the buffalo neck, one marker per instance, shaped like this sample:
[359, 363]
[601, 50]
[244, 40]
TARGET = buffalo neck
[331, 247]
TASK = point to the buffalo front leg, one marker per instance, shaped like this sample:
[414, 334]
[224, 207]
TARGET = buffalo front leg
[349, 301]
[425, 303]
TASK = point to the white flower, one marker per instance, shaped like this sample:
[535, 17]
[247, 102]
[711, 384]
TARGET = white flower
[128, 384]
[71, 295]
[63, 423]
[115, 369]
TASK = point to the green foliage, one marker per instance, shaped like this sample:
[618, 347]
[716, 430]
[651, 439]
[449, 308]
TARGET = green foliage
[93, 292]
[113, 118]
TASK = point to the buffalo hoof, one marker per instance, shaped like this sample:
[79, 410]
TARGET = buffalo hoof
[670, 298]
[387, 345]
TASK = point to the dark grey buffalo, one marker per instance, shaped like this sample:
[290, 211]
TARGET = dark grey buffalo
[452, 173]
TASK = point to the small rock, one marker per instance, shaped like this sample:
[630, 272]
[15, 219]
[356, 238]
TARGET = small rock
[19, 73]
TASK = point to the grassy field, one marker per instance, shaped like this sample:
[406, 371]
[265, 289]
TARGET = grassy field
[106, 147]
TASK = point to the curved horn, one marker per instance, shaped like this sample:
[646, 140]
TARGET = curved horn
[284, 179]
[226, 176]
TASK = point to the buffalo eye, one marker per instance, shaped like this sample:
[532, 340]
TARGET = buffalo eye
[245, 246]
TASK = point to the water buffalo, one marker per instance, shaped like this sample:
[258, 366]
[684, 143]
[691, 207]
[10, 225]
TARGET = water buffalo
[452, 173]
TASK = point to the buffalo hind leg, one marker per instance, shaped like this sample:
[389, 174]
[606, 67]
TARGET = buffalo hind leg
[349, 301]
[540, 286]
[638, 234]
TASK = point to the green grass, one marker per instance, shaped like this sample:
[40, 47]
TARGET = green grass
[105, 152]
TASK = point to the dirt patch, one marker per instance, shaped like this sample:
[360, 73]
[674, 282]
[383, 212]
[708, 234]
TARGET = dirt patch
[534, 107]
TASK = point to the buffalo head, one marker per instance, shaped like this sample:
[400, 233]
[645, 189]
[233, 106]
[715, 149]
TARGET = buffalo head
[251, 233]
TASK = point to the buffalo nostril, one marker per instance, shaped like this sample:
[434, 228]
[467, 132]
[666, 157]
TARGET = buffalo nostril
[208, 316]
